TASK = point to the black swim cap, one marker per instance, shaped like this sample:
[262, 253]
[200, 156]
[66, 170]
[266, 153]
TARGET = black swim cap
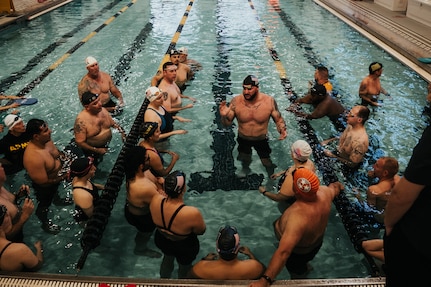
[227, 242]
[251, 80]
[88, 97]
[175, 183]
[318, 90]
[81, 166]
[148, 129]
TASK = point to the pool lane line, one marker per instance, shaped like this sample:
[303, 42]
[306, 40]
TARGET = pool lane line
[51, 68]
[222, 175]
[176, 36]
[125, 60]
[15, 76]
[355, 231]
[302, 41]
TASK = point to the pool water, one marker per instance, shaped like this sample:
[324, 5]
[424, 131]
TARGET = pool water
[226, 38]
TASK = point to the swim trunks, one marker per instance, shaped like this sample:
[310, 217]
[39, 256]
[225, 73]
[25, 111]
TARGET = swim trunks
[261, 146]
[297, 263]
[374, 98]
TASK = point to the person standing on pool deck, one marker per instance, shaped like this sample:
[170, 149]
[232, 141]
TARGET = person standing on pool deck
[253, 109]
[370, 87]
[43, 164]
[407, 213]
[100, 83]
[178, 226]
[301, 227]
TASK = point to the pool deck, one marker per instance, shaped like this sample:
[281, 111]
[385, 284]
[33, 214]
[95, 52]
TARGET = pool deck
[404, 38]
[26, 10]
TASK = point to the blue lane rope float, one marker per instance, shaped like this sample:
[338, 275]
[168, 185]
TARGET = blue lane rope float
[353, 226]
[33, 62]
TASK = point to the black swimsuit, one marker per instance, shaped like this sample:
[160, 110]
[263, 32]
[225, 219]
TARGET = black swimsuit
[79, 214]
[168, 228]
[4, 248]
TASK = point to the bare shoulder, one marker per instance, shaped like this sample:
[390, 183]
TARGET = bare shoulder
[105, 75]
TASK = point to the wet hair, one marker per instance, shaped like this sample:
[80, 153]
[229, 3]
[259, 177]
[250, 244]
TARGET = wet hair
[134, 157]
[147, 129]
[167, 64]
[323, 72]
[34, 127]
[363, 113]
[175, 183]
[374, 66]
[227, 242]
[390, 165]
[81, 166]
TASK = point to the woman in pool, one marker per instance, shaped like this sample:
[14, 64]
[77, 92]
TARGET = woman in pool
[150, 132]
[157, 113]
[300, 153]
[178, 226]
[85, 193]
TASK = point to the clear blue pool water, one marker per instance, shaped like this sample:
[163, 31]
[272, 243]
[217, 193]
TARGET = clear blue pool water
[225, 37]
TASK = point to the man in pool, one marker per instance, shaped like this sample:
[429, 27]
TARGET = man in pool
[323, 103]
[43, 165]
[140, 190]
[225, 265]
[301, 227]
[173, 103]
[385, 169]
[370, 87]
[353, 143]
[183, 75]
[93, 125]
[100, 83]
[253, 110]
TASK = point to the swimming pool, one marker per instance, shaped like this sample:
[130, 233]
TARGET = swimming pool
[229, 47]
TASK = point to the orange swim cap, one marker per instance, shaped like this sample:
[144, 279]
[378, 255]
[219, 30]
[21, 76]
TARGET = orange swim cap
[305, 182]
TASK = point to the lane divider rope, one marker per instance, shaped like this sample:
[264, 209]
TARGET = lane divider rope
[29, 87]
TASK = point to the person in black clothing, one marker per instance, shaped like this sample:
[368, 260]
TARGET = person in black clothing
[85, 192]
[13, 144]
[406, 248]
